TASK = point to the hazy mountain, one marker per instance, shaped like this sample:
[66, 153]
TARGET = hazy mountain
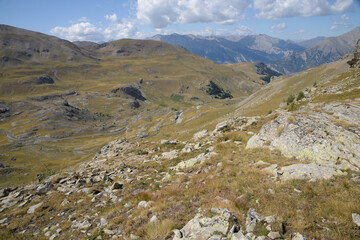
[20, 45]
[310, 42]
[84, 43]
[326, 51]
[255, 48]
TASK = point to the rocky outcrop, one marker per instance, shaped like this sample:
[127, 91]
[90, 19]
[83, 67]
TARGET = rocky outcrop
[355, 62]
[224, 225]
[203, 228]
[128, 92]
[328, 136]
[301, 171]
[54, 96]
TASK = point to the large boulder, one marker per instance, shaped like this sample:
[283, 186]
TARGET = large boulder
[322, 137]
[203, 228]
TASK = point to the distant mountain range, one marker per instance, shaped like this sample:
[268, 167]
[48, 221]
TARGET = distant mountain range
[325, 51]
[256, 48]
[284, 56]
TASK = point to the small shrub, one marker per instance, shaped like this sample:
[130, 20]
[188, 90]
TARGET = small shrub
[260, 230]
[280, 130]
[290, 99]
[159, 230]
[293, 107]
[216, 91]
[300, 96]
[291, 119]
[141, 152]
[269, 112]
[144, 196]
[177, 98]
[315, 84]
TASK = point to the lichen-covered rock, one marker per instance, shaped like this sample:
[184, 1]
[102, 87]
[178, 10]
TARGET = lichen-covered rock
[203, 228]
[319, 136]
[252, 219]
[356, 218]
[44, 188]
[201, 134]
[192, 161]
[306, 171]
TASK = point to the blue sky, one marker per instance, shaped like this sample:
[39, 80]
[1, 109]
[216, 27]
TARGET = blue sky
[104, 20]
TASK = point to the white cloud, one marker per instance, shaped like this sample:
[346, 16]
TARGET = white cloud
[79, 32]
[86, 31]
[274, 9]
[242, 30]
[83, 19]
[111, 18]
[344, 17]
[280, 26]
[117, 29]
[161, 13]
[336, 25]
[207, 31]
[300, 31]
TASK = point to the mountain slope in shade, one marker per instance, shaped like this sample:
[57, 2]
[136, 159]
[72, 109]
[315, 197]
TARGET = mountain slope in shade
[326, 51]
[260, 48]
[20, 45]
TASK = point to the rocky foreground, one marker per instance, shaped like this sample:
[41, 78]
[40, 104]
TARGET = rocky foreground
[130, 185]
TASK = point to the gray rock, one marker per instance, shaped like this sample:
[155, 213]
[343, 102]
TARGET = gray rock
[201, 134]
[221, 126]
[103, 222]
[55, 235]
[252, 219]
[215, 237]
[170, 155]
[316, 137]
[65, 202]
[154, 219]
[270, 219]
[298, 236]
[132, 236]
[238, 236]
[202, 228]
[4, 192]
[306, 171]
[33, 208]
[82, 225]
[143, 204]
[44, 188]
[165, 141]
[192, 161]
[356, 218]
[274, 235]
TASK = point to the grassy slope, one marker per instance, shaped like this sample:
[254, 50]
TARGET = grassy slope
[183, 74]
[279, 90]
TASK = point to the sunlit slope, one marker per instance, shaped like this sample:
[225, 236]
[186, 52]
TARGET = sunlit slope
[270, 96]
[52, 125]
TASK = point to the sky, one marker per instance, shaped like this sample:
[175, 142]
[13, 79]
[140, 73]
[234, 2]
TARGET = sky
[106, 20]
